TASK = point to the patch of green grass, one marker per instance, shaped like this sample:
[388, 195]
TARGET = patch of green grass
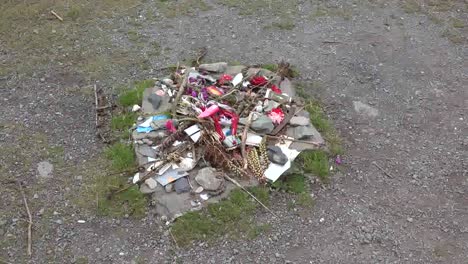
[131, 201]
[316, 162]
[321, 11]
[294, 183]
[258, 230]
[284, 24]
[271, 67]
[155, 49]
[232, 217]
[440, 5]
[135, 95]
[454, 36]
[123, 122]
[122, 156]
[305, 200]
[411, 6]
[171, 9]
[457, 23]
[318, 117]
[74, 12]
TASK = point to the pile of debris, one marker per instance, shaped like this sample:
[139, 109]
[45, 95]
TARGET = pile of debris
[203, 125]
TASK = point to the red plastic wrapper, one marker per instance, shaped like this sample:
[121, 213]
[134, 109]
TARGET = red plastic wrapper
[258, 81]
[224, 79]
[276, 115]
[275, 89]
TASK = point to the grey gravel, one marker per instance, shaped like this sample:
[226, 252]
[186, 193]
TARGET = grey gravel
[397, 63]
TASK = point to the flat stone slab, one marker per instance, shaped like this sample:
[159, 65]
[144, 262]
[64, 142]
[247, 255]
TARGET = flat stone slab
[45, 169]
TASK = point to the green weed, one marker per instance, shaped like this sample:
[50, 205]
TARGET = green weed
[232, 216]
[457, 23]
[123, 122]
[316, 162]
[135, 95]
[411, 6]
[122, 156]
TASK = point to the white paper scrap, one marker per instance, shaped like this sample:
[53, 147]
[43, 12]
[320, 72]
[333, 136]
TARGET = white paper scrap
[274, 171]
[237, 79]
[253, 140]
[136, 178]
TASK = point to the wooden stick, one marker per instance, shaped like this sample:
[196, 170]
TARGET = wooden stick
[173, 238]
[244, 139]
[179, 94]
[249, 193]
[383, 170]
[56, 15]
[30, 222]
[295, 140]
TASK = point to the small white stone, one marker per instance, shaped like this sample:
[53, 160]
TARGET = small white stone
[136, 108]
[151, 183]
[322, 220]
[81, 221]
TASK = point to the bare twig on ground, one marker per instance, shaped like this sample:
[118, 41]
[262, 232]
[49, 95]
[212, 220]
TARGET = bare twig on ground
[30, 222]
[295, 140]
[202, 53]
[249, 193]
[179, 94]
[244, 139]
[383, 170]
[173, 238]
[56, 15]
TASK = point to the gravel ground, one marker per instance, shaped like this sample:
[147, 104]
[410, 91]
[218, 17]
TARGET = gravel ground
[394, 85]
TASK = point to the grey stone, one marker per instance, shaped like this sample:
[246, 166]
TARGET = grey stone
[147, 141]
[182, 185]
[168, 81]
[301, 132]
[145, 150]
[199, 189]
[277, 156]
[151, 135]
[234, 70]
[300, 146]
[169, 187]
[287, 87]
[144, 188]
[262, 124]
[153, 103]
[45, 169]
[214, 67]
[299, 121]
[206, 177]
[259, 71]
[365, 109]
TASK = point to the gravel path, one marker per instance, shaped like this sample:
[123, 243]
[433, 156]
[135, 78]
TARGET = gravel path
[395, 87]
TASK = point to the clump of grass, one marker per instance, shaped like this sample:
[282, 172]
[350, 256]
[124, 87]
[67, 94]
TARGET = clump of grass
[457, 23]
[294, 183]
[135, 95]
[331, 12]
[454, 36]
[305, 200]
[131, 201]
[319, 119]
[284, 24]
[123, 121]
[411, 6]
[316, 162]
[441, 5]
[122, 156]
[232, 217]
[270, 66]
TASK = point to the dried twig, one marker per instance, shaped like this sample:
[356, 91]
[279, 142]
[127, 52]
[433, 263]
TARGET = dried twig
[56, 15]
[294, 140]
[244, 139]
[249, 193]
[173, 238]
[179, 94]
[383, 170]
[30, 222]
[202, 53]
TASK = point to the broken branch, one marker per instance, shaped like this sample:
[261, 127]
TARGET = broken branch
[56, 15]
[30, 222]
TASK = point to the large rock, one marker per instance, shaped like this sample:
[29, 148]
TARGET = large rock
[151, 135]
[313, 135]
[214, 67]
[206, 177]
[263, 124]
[234, 70]
[276, 155]
[299, 121]
[154, 102]
[287, 87]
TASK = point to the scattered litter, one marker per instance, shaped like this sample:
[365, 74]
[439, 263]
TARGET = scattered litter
[202, 129]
